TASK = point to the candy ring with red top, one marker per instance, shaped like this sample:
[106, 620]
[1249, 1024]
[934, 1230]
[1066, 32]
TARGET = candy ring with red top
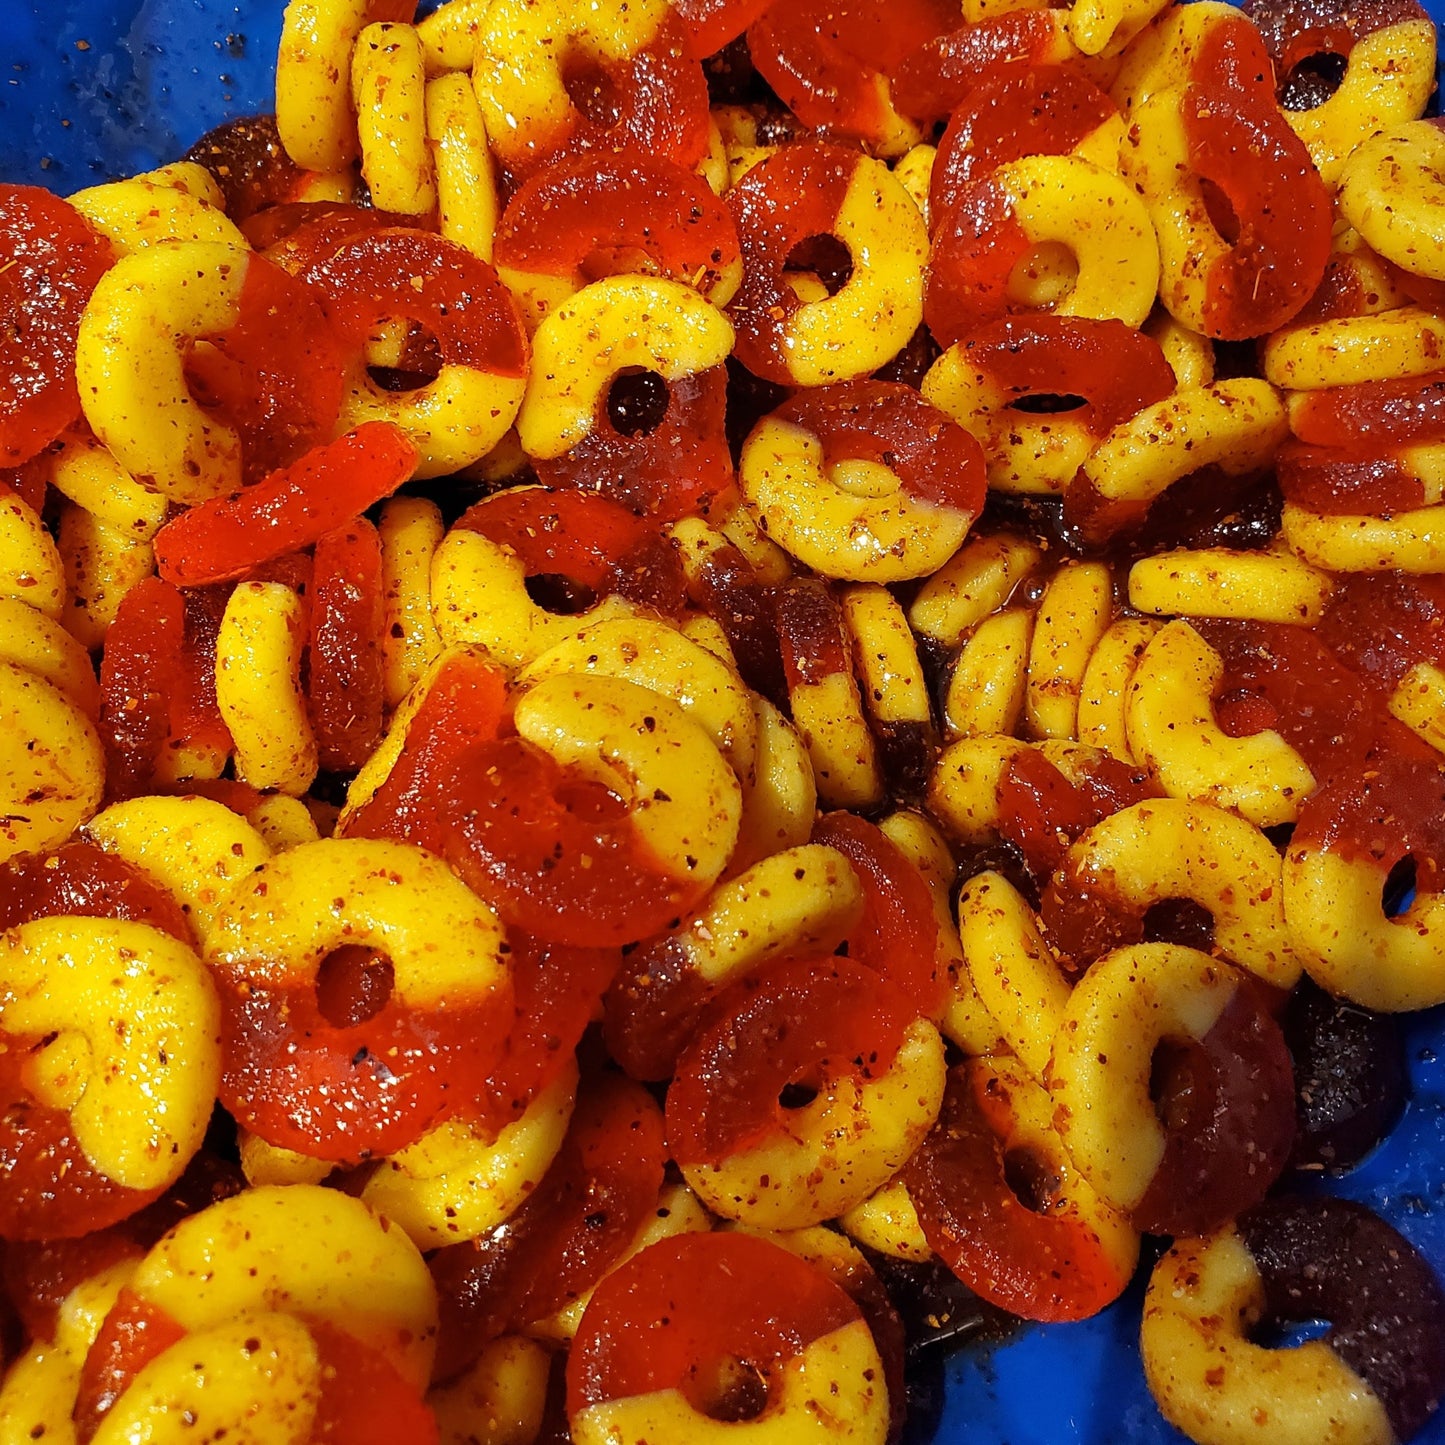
[707, 1329]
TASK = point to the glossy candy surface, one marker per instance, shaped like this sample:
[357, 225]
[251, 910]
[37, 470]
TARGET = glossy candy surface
[1072, 1361]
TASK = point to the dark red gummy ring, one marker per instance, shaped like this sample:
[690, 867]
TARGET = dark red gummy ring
[1336, 1260]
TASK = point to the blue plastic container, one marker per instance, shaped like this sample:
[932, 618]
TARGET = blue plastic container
[95, 89]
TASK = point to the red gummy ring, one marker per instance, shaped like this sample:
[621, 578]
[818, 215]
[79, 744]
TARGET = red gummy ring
[1041, 1262]
[830, 60]
[53, 261]
[672, 1316]
[583, 212]
[1014, 111]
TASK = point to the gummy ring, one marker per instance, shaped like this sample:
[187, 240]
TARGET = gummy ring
[993, 383]
[1003, 221]
[138, 678]
[1016, 111]
[79, 880]
[1169, 849]
[1400, 413]
[738, 591]
[1410, 541]
[263, 1371]
[1390, 187]
[527, 567]
[1227, 583]
[792, 331]
[1376, 1374]
[456, 296]
[1242, 216]
[579, 1220]
[804, 899]
[259, 656]
[864, 481]
[963, 791]
[1403, 342]
[1225, 1123]
[824, 697]
[850, 1044]
[781, 796]
[586, 838]
[830, 63]
[51, 762]
[266, 387]
[711, 24]
[54, 260]
[345, 697]
[1105, 685]
[1236, 425]
[1174, 729]
[315, 120]
[891, 682]
[580, 218]
[627, 397]
[227, 538]
[256, 1252]
[1389, 56]
[669, 1336]
[142, 211]
[1016, 978]
[362, 986]
[388, 91]
[250, 166]
[1049, 796]
[1351, 1081]
[1350, 480]
[1336, 867]
[629, 805]
[457, 707]
[669, 662]
[938, 77]
[465, 1177]
[111, 1058]
[1044, 1247]
[1230, 584]
[634, 51]
[897, 932]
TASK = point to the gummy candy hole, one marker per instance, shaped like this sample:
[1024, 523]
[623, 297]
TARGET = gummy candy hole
[1047, 403]
[1313, 81]
[1181, 921]
[1220, 211]
[797, 1094]
[593, 92]
[728, 1390]
[591, 802]
[825, 257]
[402, 356]
[1177, 1068]
[555, 593]
[1398, 892]
[637, 402]
[353, 985]
[1043, 276]
[1275, 1334]
[1035, 1183]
